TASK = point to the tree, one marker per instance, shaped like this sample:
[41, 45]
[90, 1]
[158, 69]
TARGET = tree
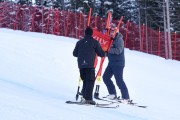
[126, 8]
[152, 11]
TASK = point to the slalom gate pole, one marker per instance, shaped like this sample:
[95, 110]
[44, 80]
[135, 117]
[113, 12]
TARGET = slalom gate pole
[120, 21]
[98, 76]
[89, 17]
[127, 29]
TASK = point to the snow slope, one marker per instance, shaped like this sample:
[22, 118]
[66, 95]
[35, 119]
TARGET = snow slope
[38, 74]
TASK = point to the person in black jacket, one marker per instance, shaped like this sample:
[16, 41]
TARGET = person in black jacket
[85, 51]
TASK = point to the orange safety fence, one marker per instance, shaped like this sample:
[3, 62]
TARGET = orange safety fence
[71, 24]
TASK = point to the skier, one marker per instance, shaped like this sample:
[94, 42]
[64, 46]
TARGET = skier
[85, 51]
[115, 67]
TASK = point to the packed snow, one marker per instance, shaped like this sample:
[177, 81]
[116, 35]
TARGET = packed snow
[38, 73]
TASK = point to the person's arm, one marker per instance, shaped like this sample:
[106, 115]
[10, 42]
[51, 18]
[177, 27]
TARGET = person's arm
[117, 46]
[75, 52]
[99, 50]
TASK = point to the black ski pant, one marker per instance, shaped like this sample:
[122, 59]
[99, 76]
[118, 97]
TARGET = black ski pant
[88, 77]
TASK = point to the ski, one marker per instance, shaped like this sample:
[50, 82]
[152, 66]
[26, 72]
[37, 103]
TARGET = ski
[120, 102]
[110, 101]
[73, 102]
[108, 105]
[132, 104]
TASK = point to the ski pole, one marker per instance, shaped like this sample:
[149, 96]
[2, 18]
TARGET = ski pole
[98, 79]
[79, 83]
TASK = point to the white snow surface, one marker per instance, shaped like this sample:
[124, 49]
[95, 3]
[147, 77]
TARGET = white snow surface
[38, 73]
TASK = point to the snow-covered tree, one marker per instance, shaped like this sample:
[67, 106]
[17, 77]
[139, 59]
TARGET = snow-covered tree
[126, 8]
[152, 12]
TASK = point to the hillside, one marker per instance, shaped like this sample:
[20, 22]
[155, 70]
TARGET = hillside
[38, 73]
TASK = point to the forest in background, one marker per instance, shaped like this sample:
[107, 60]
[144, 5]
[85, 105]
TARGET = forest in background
[152, 13]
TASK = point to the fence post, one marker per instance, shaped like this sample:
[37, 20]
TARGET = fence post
[76, 32]
[56, 22]
[64, 17]
[48, 20]
[1, 14]
[67, 26]
[126, 33]
[142, 42]
[15, 22]
[32, 22]
[79, 28]
[165, 33]
[175, 45]
[42, 25]
[159, 42]
[168, 29]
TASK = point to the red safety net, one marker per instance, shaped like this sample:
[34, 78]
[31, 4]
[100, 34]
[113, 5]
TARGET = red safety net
[70, 24]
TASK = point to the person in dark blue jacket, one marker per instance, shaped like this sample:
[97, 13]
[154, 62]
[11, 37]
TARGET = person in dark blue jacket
[85, 51]
[115, 67]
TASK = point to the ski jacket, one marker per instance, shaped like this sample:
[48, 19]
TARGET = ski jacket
[86, 50]
[116, 53]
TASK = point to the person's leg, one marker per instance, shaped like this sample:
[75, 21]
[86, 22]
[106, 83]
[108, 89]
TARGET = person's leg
[118, 74]
[83, 77]
[90, 79]
[107, 80]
